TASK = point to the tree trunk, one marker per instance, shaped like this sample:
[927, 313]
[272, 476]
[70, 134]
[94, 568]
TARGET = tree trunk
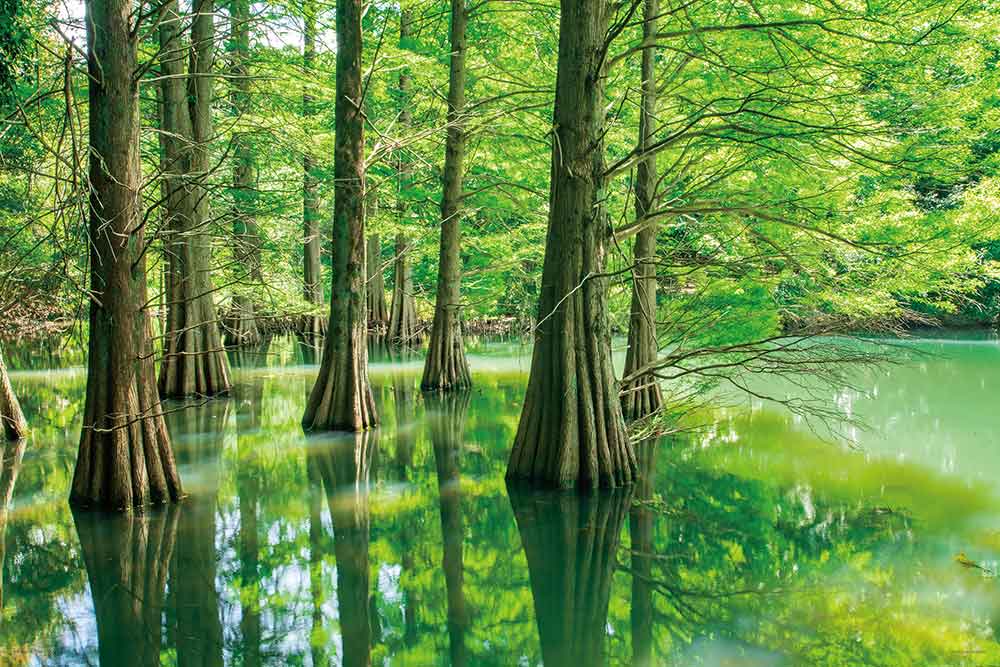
[571, 543]
[403, 325]
[572, 431]
[447, 426]
[243, 327]
[15, 426]
[344, 469]
[641, 396]
[194, 361]
[640, 519]
[127, 559]
[342, 396]
[125, 459]
[446, 366]
[314, 324]
[378, 314]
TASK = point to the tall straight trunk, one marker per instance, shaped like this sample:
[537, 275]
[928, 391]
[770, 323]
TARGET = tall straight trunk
[641, 396]
[342, 395]
[125, 459]
[571, 543]
[127, 559]
[378, 314]
[312, 270]
[446, 366]
[447, 426]
[194, 361]
[15, 426]
[243, 326]
[640, 522]
[403, 326]
[344, 469]
[572, 431]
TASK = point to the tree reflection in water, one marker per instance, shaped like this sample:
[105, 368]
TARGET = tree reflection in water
[343, 464]
[570, 541]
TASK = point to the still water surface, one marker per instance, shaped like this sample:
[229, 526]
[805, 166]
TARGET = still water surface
[751, 542]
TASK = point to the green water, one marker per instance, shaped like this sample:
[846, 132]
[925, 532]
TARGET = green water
[751, 542]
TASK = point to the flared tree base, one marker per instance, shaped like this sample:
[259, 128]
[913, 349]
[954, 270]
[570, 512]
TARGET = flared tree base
[641, 398]
[446, 367]
[194, 364]
[15, 426]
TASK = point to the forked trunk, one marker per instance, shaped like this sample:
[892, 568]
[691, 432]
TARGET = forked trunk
[571, 544]
[15, 426]
[447, 426]
[378, 313]
[446, 366]
[194, 361]
[344, 469]
[572, 432]
[641, 395]
[127, 560]
[342, 395]
[125, 459]
[403, 325]
[243, 328]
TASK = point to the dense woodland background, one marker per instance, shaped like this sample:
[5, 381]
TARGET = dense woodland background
[839, 171]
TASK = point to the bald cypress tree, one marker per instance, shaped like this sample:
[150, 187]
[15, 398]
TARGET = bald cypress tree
[342, 396]
[641, 395]
[314, 324]
[244, 329]
[572, 432]
[125, 458]
[194, 361]
[446, 366]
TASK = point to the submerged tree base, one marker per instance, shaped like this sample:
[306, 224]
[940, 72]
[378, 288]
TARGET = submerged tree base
[15, 426]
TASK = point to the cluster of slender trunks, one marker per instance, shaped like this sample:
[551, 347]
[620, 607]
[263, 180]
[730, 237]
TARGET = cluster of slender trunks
[572, 429]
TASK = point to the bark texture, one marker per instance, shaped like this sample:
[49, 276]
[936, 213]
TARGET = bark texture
[404, 329]
[127, 559]
[571, 542]
[344, 468]
[572, 432]
[194, 361]
[342, 395]
[243, 327]
[15, 426]
[446, 367]
[314, 325]
[378, 313]
[641, 396]
[125, 459]
[447, 426]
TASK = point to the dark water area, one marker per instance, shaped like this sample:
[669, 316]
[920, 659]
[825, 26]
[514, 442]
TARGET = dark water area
[752, 541]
